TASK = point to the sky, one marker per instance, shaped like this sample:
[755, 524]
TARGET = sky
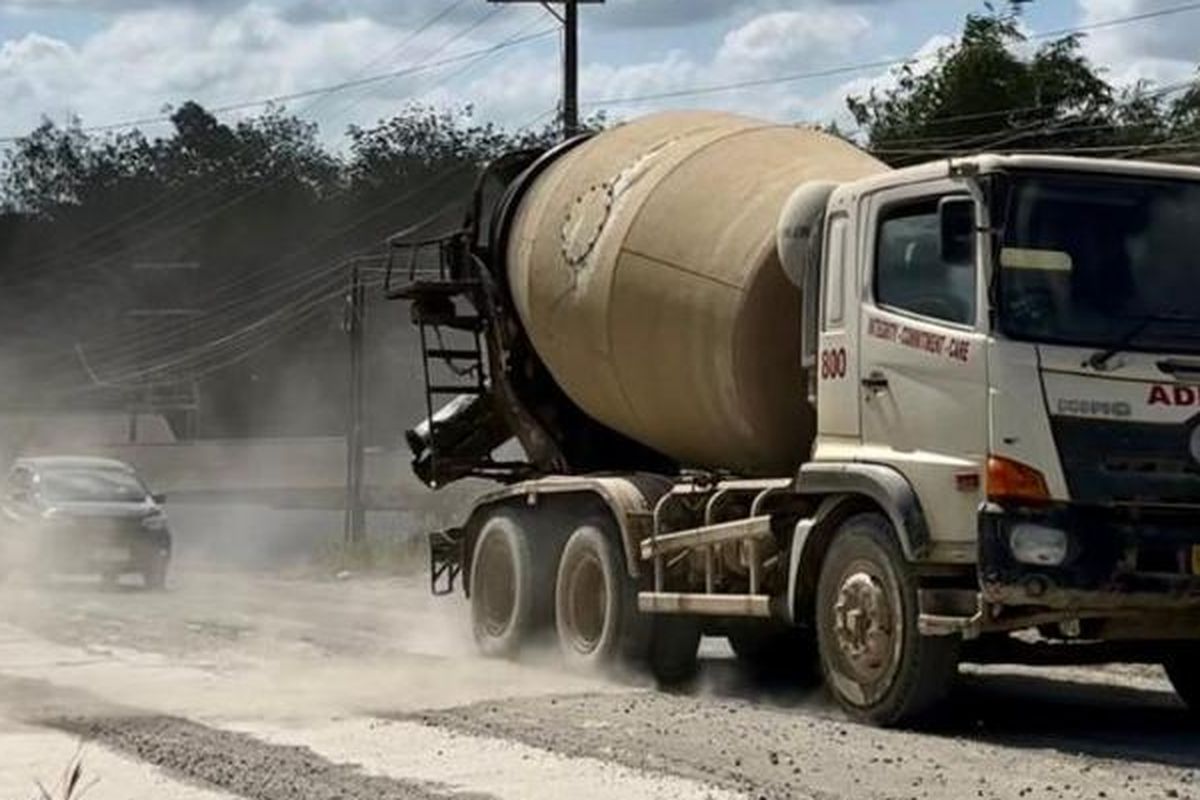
[111, 61]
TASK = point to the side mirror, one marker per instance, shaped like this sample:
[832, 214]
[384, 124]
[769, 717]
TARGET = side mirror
[956, 221]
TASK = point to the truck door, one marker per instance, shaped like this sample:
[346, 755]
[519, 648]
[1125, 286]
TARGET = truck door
[836, 365]
[923, 373]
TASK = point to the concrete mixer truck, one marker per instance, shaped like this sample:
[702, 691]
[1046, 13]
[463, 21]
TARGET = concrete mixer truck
[868, 420]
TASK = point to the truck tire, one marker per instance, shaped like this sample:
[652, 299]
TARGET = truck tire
[1182, 670]
[154, 571]
[509, 593]
[674, 647]
[595, 602]
[875, 662]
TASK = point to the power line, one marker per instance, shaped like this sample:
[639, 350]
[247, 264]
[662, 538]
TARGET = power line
[403, 197]
[154, 210]
[1062, 126]
[317, 287]
[147, 343]
[878, 64]
[1181, 143]
[318, 91]
[300, 251]
[216, 211]
[938, 122]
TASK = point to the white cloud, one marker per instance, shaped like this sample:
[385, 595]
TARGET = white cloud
[616, 13]
[145, 60]
[768, 45]
[158, 52]
[1162, 49]
[783, 40]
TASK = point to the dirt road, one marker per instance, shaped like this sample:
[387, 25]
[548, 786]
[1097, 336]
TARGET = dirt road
[239, 685]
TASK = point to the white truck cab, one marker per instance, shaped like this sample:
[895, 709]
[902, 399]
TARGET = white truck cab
[1019, 337]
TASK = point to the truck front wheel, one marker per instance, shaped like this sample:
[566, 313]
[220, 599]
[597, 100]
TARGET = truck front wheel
[507, 602]
[875, 661]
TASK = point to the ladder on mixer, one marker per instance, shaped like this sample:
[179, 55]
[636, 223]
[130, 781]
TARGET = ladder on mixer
[444, 284]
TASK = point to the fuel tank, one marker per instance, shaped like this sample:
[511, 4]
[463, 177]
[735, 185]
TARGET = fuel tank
[644, 267]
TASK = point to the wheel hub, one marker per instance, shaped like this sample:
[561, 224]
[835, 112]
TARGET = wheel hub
[588, 599]
[864, 626]
[498, 593]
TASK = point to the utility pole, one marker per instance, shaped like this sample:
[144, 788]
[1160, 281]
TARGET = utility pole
[163, 294]
[570, 22]
[570, 98]
[356, 310]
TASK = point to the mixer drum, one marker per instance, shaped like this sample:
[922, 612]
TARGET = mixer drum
[644, 268]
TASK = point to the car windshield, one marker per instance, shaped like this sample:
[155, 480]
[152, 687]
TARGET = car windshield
[1103, 261]
[90, 485]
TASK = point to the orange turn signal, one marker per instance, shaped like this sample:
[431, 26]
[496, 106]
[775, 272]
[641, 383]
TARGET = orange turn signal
[1011, 480]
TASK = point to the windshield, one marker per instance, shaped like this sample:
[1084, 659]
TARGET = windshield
[90, 485]
[1096, 259]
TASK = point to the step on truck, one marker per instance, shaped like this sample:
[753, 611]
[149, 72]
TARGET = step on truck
[741, 379]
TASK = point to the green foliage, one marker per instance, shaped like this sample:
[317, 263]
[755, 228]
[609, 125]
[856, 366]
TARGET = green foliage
[59, 170]
[991, 91]
[252, 202]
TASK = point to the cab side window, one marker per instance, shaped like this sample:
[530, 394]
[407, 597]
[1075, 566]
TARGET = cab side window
[910, 274]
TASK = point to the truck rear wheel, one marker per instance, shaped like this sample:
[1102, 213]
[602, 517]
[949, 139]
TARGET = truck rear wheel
[595, 606]
[875, 661]
[1183, 670]
[508, 601]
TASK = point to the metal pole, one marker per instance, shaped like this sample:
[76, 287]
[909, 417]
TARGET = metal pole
[355, 317]
[570, 69]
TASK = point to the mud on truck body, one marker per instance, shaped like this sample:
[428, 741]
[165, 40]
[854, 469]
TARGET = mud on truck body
[876, 420]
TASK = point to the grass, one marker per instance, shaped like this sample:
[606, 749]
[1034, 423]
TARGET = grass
[378, 554]
[70, 784]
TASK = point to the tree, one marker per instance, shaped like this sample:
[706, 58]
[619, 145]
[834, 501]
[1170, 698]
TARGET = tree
[984, 92]
[263, 206]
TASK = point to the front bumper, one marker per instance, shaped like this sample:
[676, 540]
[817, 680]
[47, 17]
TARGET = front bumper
[1118, 559]
[87, 546]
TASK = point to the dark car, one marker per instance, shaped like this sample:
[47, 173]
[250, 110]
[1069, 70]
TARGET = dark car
[74, 515]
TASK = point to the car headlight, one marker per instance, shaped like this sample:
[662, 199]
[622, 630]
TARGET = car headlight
[1038, 544]
[155, 522]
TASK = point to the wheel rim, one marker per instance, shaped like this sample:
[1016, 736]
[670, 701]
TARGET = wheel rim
[497, 594]
[587, 603]
[867, 629]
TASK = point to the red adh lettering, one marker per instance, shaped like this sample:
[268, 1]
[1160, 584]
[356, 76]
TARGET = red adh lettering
[1185, 396]
[1159, 396]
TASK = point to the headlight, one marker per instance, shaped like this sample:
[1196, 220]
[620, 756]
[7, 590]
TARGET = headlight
[155, 522]
[1038, 544]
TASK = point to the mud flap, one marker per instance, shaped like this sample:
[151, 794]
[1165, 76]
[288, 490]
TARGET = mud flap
[446, 559]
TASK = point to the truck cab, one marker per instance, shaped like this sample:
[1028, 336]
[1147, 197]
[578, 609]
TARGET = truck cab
[1019, 338]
